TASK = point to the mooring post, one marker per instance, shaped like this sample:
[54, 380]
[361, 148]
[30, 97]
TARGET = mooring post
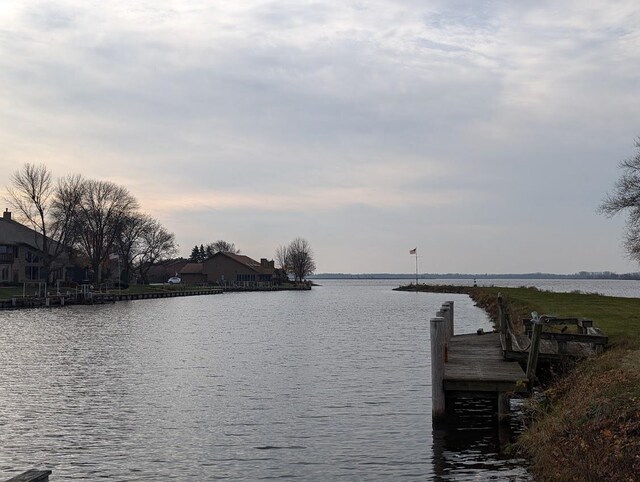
[534, 349]
[503, 407]
[503, 324]
[445, 312]
[32, 476]
[451, 318]
[437, 368]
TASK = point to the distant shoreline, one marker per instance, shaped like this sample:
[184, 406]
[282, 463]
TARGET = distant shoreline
[426, 276]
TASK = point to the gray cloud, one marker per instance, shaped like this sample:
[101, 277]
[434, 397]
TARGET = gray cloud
[372, 123]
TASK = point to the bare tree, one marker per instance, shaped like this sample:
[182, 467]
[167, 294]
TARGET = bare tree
[626, 197]
[156, 244]
[100, 217]
[222, 246]
[129, 241]
[300, 259]
[48, 208]
[282, 258]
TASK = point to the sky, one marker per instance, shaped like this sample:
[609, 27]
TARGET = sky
[485, 134]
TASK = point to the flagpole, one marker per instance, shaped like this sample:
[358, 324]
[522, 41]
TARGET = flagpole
[416, 269]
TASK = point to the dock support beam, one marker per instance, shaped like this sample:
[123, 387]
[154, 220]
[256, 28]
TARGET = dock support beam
[32, 476]
[534, 349]
[503, 407]
[438, 340]
[451, 317]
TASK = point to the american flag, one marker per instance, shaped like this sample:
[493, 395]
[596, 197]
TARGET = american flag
[413, 251]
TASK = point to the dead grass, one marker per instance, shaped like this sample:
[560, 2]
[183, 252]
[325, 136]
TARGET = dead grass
[587, 426]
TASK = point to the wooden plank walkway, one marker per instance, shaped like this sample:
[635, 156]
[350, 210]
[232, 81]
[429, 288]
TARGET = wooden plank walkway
[476, 364]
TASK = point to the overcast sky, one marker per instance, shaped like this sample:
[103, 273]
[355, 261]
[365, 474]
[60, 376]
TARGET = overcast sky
[483, 133]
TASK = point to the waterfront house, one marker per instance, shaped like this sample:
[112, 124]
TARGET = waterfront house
[191, 273]
[230, 269]
[21, 257]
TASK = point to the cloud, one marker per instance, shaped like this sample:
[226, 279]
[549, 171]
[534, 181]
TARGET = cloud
[392, 110]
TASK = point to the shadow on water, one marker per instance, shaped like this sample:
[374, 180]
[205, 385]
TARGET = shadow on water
[465, 445]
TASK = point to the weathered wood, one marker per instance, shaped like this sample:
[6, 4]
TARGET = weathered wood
[476, 364]
[504, 409]
[503, 326]
[452, 318]
[534, 349]
[32, 476]
[446, 314]
[438, 335]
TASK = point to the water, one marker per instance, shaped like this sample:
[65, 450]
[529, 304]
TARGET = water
[322, 385]
[622, 288]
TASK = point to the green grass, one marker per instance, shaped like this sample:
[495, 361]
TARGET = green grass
[618, 318]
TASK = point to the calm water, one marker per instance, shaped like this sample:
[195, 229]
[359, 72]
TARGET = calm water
[321, 385]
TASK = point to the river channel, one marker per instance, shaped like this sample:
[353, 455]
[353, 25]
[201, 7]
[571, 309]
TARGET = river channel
[331, 384]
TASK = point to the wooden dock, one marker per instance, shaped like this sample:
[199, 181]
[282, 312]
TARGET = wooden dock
[476, 364]
[471, 364]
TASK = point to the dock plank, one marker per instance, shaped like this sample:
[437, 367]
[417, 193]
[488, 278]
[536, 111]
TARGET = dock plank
[475, 363]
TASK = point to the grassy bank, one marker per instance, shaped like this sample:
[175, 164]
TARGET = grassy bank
[587, 424]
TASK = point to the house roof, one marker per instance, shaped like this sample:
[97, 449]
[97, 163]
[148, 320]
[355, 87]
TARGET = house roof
[247, 261]
[13, 233]
[191, 268]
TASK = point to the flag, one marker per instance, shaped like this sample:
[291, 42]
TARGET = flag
[114, 256]
[413, 251]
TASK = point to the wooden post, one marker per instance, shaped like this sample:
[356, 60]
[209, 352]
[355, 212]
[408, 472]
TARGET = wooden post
[534, 349]
[32, 476]
[62, 301]
[503, 324]
[452, 320]
[503, 407]
[437, 368]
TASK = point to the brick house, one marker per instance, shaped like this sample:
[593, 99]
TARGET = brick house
[21, 254]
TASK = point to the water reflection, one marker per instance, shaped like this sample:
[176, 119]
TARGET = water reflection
[472, 445]
[316, 385]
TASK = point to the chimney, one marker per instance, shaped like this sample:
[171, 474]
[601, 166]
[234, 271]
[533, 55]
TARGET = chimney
[6, 215]
[264, 262]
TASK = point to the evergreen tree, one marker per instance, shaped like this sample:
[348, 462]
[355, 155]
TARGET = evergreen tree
[202, 253]
[195, 255]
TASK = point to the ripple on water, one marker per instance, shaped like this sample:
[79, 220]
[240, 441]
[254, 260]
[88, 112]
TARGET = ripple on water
[326, 384]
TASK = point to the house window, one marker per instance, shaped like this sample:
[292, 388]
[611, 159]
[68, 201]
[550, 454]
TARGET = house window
[4, 249]
[246, 277]
[32, 272]
[31, 257]
[4, 273]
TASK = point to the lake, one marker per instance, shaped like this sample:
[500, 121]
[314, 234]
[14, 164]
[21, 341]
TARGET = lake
[321, 385]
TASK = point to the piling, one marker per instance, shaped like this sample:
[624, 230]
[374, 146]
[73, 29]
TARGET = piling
[438, 340]
[32, 476]
[451, 317]
[534, 350]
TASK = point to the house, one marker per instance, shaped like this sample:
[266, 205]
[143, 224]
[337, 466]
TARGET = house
[230, 269]
[21, 257]
[191, 273]
[164, 270]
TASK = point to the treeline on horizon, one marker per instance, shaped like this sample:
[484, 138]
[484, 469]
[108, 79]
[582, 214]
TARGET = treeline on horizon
[601, 275]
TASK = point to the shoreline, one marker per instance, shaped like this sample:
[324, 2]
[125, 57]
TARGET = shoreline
[95, 298]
